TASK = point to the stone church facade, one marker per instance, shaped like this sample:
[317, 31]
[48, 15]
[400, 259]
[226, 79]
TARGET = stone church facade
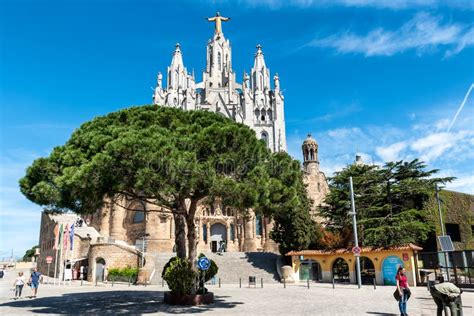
[133, 229]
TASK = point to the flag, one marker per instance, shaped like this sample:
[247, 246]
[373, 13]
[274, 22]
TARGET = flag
[71, 237]
[66, 235]
[60, 236]
[56, 236]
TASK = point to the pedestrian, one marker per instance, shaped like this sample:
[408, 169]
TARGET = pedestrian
[403, 290]
[34, 281]
[18, 285]
[447, 294]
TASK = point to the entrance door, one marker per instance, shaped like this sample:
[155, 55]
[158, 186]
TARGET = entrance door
[99, 269]
[218, 235]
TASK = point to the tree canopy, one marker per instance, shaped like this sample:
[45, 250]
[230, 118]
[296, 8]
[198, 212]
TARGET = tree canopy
[167, 157]
[391, 203]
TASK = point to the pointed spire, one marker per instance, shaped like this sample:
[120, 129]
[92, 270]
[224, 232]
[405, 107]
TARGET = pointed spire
[259, 62]
[177, 56]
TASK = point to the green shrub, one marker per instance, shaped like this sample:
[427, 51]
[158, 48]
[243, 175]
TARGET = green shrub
[126, 273]
[179, 275]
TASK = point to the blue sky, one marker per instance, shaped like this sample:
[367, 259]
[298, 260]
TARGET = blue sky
[380, 78]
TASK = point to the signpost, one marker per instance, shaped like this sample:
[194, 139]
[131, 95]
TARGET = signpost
[356, 241]
[356, 251]
[49, 260]
[203, 264]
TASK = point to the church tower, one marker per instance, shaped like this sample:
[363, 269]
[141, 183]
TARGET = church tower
[310, 154]
[252, 103]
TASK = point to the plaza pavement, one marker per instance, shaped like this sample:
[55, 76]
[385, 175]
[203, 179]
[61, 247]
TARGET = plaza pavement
[273, 299]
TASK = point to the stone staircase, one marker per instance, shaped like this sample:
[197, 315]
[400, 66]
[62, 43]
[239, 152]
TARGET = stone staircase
[232, 266]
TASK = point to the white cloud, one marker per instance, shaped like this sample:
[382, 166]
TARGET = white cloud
[434, 145]
[423, 33]
[392, 152]
[378, 4]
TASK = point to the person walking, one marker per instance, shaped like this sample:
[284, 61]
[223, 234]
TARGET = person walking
[34, 281]
[18, 284]
[403, 290]
[447, 294]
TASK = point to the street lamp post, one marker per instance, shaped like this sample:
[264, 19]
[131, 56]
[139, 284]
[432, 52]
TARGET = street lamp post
[356, 240]
[443, 231]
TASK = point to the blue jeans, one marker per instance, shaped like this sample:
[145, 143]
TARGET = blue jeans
[402, 303]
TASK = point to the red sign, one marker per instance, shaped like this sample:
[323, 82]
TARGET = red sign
[49, 259]
[356, 250]
[405, 257]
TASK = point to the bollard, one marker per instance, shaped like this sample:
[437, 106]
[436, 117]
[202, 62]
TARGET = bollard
[128, 281]
[284, 283]
[307, 280]
[145, 282]
[240, 282]
[261, 282]
[375, 285]
[81, 281]
[333, 283]
[219, 282]
[95, 281]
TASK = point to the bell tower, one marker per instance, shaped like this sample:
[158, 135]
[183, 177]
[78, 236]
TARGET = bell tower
[310, 154]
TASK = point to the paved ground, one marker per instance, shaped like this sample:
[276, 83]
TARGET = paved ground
[273, 299]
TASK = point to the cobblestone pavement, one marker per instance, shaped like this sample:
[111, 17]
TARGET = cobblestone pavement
[273, 299]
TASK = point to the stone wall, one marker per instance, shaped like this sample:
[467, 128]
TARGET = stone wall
[114, 255]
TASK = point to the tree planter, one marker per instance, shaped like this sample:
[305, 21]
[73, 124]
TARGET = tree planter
[189, 299]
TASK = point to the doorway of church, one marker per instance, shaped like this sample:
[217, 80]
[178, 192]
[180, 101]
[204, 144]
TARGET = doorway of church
[218, 237]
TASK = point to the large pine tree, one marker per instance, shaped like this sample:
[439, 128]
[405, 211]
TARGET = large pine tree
[391, 203]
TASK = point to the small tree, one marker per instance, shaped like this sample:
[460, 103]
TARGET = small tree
[30, 253]
[391, 203]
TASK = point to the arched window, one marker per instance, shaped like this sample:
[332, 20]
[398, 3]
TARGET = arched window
[270, 115]
[263, 114]
[264, 137]
[311, 154]
[258, 225]
[138, 212]
[257, 113]
[219, 61]
[139, 217]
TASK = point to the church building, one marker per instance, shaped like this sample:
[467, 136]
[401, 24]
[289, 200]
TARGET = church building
[122, 237]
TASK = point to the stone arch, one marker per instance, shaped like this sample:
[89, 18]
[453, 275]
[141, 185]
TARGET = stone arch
[340, 270]
[367, 270]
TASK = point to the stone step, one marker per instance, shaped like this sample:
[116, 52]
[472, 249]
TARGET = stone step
[232, 266]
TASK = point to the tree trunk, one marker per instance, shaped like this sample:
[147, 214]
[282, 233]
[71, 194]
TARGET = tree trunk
[192, 234]
[180, 234]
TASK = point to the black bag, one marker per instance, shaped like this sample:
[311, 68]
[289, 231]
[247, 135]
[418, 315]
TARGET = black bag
[396, 295]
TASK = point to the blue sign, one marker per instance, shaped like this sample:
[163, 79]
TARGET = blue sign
[204, 264]
[389, 269]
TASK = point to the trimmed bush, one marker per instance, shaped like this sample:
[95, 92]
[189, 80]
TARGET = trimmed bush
[124, 274]
[180, 276]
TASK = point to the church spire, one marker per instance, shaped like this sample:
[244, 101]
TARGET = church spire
[260, 72]
[177, 59]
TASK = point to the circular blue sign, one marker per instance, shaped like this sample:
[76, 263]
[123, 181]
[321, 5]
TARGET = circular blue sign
[204, 264]
[389, 269]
